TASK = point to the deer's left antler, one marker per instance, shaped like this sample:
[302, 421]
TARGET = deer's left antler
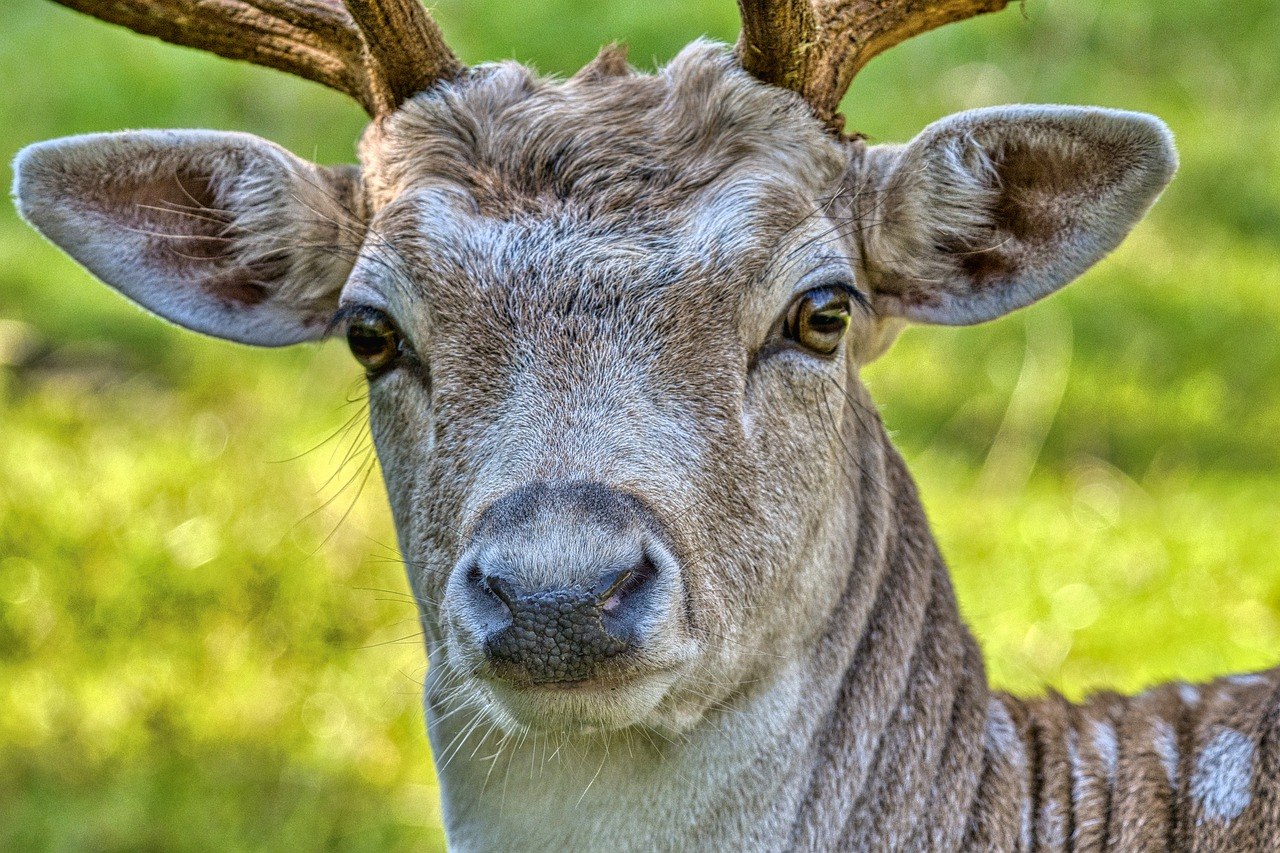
[816, 47]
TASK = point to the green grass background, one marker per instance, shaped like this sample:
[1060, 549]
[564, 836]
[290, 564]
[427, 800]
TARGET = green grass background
[205, 638]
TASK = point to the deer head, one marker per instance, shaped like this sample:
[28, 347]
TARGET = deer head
[613, 325]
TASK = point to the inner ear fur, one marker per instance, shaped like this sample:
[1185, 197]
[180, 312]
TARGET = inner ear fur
[989, 210]
[224, 233]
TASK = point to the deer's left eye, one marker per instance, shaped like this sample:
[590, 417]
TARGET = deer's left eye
[817, 320]
[374, 340]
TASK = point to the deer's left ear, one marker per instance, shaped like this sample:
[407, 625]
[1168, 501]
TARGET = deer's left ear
[988, 211]
[224, 233]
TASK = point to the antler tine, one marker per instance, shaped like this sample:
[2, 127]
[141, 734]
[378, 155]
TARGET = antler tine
[778, 40]
[816, 47]
[379, 53]
[405, 45]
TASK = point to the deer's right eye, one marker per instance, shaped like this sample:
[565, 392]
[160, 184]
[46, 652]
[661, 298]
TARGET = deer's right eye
[374, 340]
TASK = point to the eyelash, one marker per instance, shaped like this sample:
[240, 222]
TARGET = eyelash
[855, 293]
[344, 316]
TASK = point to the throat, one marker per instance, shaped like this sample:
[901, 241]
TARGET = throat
[728, 783]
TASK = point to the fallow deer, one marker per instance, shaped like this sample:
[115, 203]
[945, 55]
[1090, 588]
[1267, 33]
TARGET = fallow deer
[613, 326]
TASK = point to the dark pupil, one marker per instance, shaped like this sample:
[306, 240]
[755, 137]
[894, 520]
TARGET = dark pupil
[368, 341]
[828, 313]
[827, 320]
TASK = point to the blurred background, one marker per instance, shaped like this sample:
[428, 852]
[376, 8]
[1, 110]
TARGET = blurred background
[206, 640]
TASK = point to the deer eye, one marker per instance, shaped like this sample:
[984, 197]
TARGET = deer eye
[374, 340]
[818, 318]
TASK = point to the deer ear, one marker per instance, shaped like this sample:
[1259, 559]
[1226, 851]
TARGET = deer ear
[223, 233]
[988, 211]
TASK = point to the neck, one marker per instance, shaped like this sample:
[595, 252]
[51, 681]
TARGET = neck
[882, 717]
[902, 732]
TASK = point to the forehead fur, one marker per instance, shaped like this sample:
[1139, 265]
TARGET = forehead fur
[607, 142]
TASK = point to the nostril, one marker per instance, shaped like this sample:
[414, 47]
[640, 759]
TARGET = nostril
[501, 590]
[617, 587]
[611, 596]
[491, 586]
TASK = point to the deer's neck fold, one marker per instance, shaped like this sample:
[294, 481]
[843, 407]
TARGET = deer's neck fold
[897, 754]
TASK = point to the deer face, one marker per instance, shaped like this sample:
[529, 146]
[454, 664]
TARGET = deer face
[609, 422]
[612, 329]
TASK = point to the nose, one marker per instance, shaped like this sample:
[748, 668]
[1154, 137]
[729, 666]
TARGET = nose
[561, 582]
[561, 634]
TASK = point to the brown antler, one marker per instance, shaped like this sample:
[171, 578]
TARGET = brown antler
[815, 47]
[379, 52]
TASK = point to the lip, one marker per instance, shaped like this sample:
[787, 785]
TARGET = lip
[607, 702]
[633, 675]
[603, 683]
[585, 685]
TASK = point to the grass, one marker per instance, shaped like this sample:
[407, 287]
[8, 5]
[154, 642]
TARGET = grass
[205, 637]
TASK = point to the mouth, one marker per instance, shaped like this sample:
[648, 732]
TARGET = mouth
[607, 702]
[620, 674]
[583, 685]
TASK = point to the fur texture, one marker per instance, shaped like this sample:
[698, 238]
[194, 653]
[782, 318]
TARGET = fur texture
[590, 278]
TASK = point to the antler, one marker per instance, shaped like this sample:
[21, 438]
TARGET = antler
[380, 52]
[815, 47]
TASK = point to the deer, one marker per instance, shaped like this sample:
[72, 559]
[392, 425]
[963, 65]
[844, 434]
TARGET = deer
[677, 587]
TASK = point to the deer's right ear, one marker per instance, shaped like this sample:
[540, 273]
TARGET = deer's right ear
[223, 233]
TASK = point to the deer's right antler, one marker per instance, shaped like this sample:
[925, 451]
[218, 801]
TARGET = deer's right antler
[815, 47]
[380, 52]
